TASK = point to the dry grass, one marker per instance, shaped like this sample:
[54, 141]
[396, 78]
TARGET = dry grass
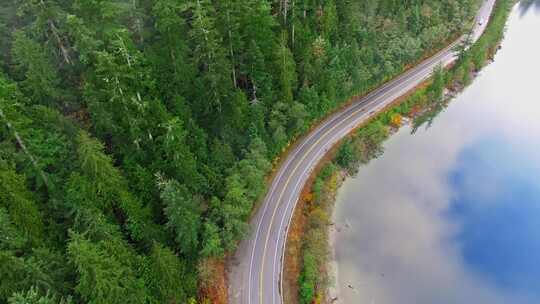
[212, 284]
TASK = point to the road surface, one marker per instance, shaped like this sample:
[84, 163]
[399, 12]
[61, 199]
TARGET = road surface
[256, 271]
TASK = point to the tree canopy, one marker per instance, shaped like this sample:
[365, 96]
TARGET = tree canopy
[135, 136]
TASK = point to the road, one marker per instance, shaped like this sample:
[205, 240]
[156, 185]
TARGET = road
[256, 269]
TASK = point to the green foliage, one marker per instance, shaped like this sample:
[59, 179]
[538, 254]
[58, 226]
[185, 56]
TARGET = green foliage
[165, 276]
[183, 215]
[178, 160]
[106, 271]
[99, 98]
[13, 272]
[11, 238]
[308, 279]
[438, 84]
[286, 70]
[32, 296]
[345, 155]
[40, 268]
[95, 164]
[40, 78]
[368, 141]
[315, 239]
[488, 43]
[15, 197]
[107, 183]
[209, 57]
[211, 245]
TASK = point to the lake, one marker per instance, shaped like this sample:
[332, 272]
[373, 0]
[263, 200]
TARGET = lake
[451, 214]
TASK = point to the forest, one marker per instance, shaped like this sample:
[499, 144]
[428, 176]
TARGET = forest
[136, 135]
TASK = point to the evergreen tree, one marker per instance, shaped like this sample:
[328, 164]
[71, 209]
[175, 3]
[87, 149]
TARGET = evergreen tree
[98, 98]
[183, 215]
[165, 275]
[106, 271]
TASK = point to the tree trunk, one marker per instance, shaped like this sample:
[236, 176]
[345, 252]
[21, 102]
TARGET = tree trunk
[21, 144]
[231, 48]
[54, 31]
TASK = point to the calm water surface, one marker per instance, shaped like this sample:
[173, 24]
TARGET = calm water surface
[451, 214]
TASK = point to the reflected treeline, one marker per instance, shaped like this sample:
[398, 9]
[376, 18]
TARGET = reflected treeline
[468, 64]
[463, 193]
[428, 117]
[526, 5]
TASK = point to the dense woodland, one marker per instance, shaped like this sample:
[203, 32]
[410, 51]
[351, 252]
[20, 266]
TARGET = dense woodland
[136, 135]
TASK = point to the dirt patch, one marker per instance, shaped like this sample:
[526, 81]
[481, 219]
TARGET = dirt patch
[212, 281]
[293, 251]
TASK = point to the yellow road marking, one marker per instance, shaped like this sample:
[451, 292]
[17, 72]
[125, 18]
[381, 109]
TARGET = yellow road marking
[292, 173]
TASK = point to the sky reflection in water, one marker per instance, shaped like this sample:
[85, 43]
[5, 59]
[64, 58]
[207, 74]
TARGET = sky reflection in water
[452, 214]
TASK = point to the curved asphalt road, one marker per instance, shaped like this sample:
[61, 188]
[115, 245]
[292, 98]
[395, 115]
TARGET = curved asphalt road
[256, 270]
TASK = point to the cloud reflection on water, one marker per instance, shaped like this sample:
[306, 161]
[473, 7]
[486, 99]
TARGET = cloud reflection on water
[500, 228]
[402, 247]
[527, 5]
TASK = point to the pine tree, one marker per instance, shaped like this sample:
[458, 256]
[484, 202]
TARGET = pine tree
[106, 271]
[183, 215]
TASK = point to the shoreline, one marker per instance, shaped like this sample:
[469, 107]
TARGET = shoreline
[451, 91]
[409, 99]
[333, 292]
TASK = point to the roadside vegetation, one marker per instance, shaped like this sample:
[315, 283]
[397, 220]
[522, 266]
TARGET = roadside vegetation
[136, 136]
[365, 144]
